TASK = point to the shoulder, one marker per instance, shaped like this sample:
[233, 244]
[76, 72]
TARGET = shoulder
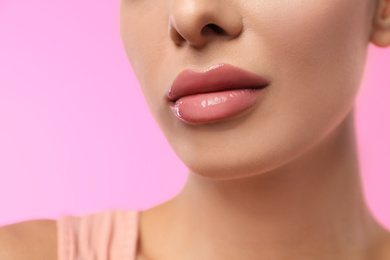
[32, 239]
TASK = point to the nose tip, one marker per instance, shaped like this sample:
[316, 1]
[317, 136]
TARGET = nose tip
[197, 22]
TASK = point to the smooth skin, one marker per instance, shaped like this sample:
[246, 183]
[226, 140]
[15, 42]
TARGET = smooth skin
[279, 182]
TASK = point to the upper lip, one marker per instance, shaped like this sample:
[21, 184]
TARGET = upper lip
[216, 78]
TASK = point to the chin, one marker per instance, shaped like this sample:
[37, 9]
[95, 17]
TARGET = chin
[228, 165]
[247, 158]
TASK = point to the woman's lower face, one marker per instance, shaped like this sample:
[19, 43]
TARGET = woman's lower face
[311, 52]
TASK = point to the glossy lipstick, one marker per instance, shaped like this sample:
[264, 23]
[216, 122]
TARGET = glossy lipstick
[218, 93]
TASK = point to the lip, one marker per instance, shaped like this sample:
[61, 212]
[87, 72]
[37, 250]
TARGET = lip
[218, 93]
[216, 78]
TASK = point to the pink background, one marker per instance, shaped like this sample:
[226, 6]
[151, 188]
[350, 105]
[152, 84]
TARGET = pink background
[76, 135]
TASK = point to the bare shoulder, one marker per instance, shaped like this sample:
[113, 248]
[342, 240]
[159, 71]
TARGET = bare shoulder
[32, 239]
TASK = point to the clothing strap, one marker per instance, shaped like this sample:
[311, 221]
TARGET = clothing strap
[106, 235]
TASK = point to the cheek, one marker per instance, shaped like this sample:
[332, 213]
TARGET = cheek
[314, 34]
[316, 51]
[323, 35]
[144, 27]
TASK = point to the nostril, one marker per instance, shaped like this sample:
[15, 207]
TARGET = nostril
[212, 28]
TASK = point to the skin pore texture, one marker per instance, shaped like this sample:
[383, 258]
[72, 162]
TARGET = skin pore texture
[280, 181]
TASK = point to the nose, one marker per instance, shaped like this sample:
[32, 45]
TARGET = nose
[197, 22]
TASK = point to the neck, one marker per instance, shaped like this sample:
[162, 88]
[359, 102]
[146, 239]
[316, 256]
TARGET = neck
[312, 207]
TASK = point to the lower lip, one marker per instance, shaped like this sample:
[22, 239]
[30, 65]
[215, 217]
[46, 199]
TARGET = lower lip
[215, 106]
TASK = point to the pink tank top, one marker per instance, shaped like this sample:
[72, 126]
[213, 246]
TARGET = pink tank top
[106, 235]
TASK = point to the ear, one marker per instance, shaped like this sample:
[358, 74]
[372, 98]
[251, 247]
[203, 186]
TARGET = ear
[380, 34]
